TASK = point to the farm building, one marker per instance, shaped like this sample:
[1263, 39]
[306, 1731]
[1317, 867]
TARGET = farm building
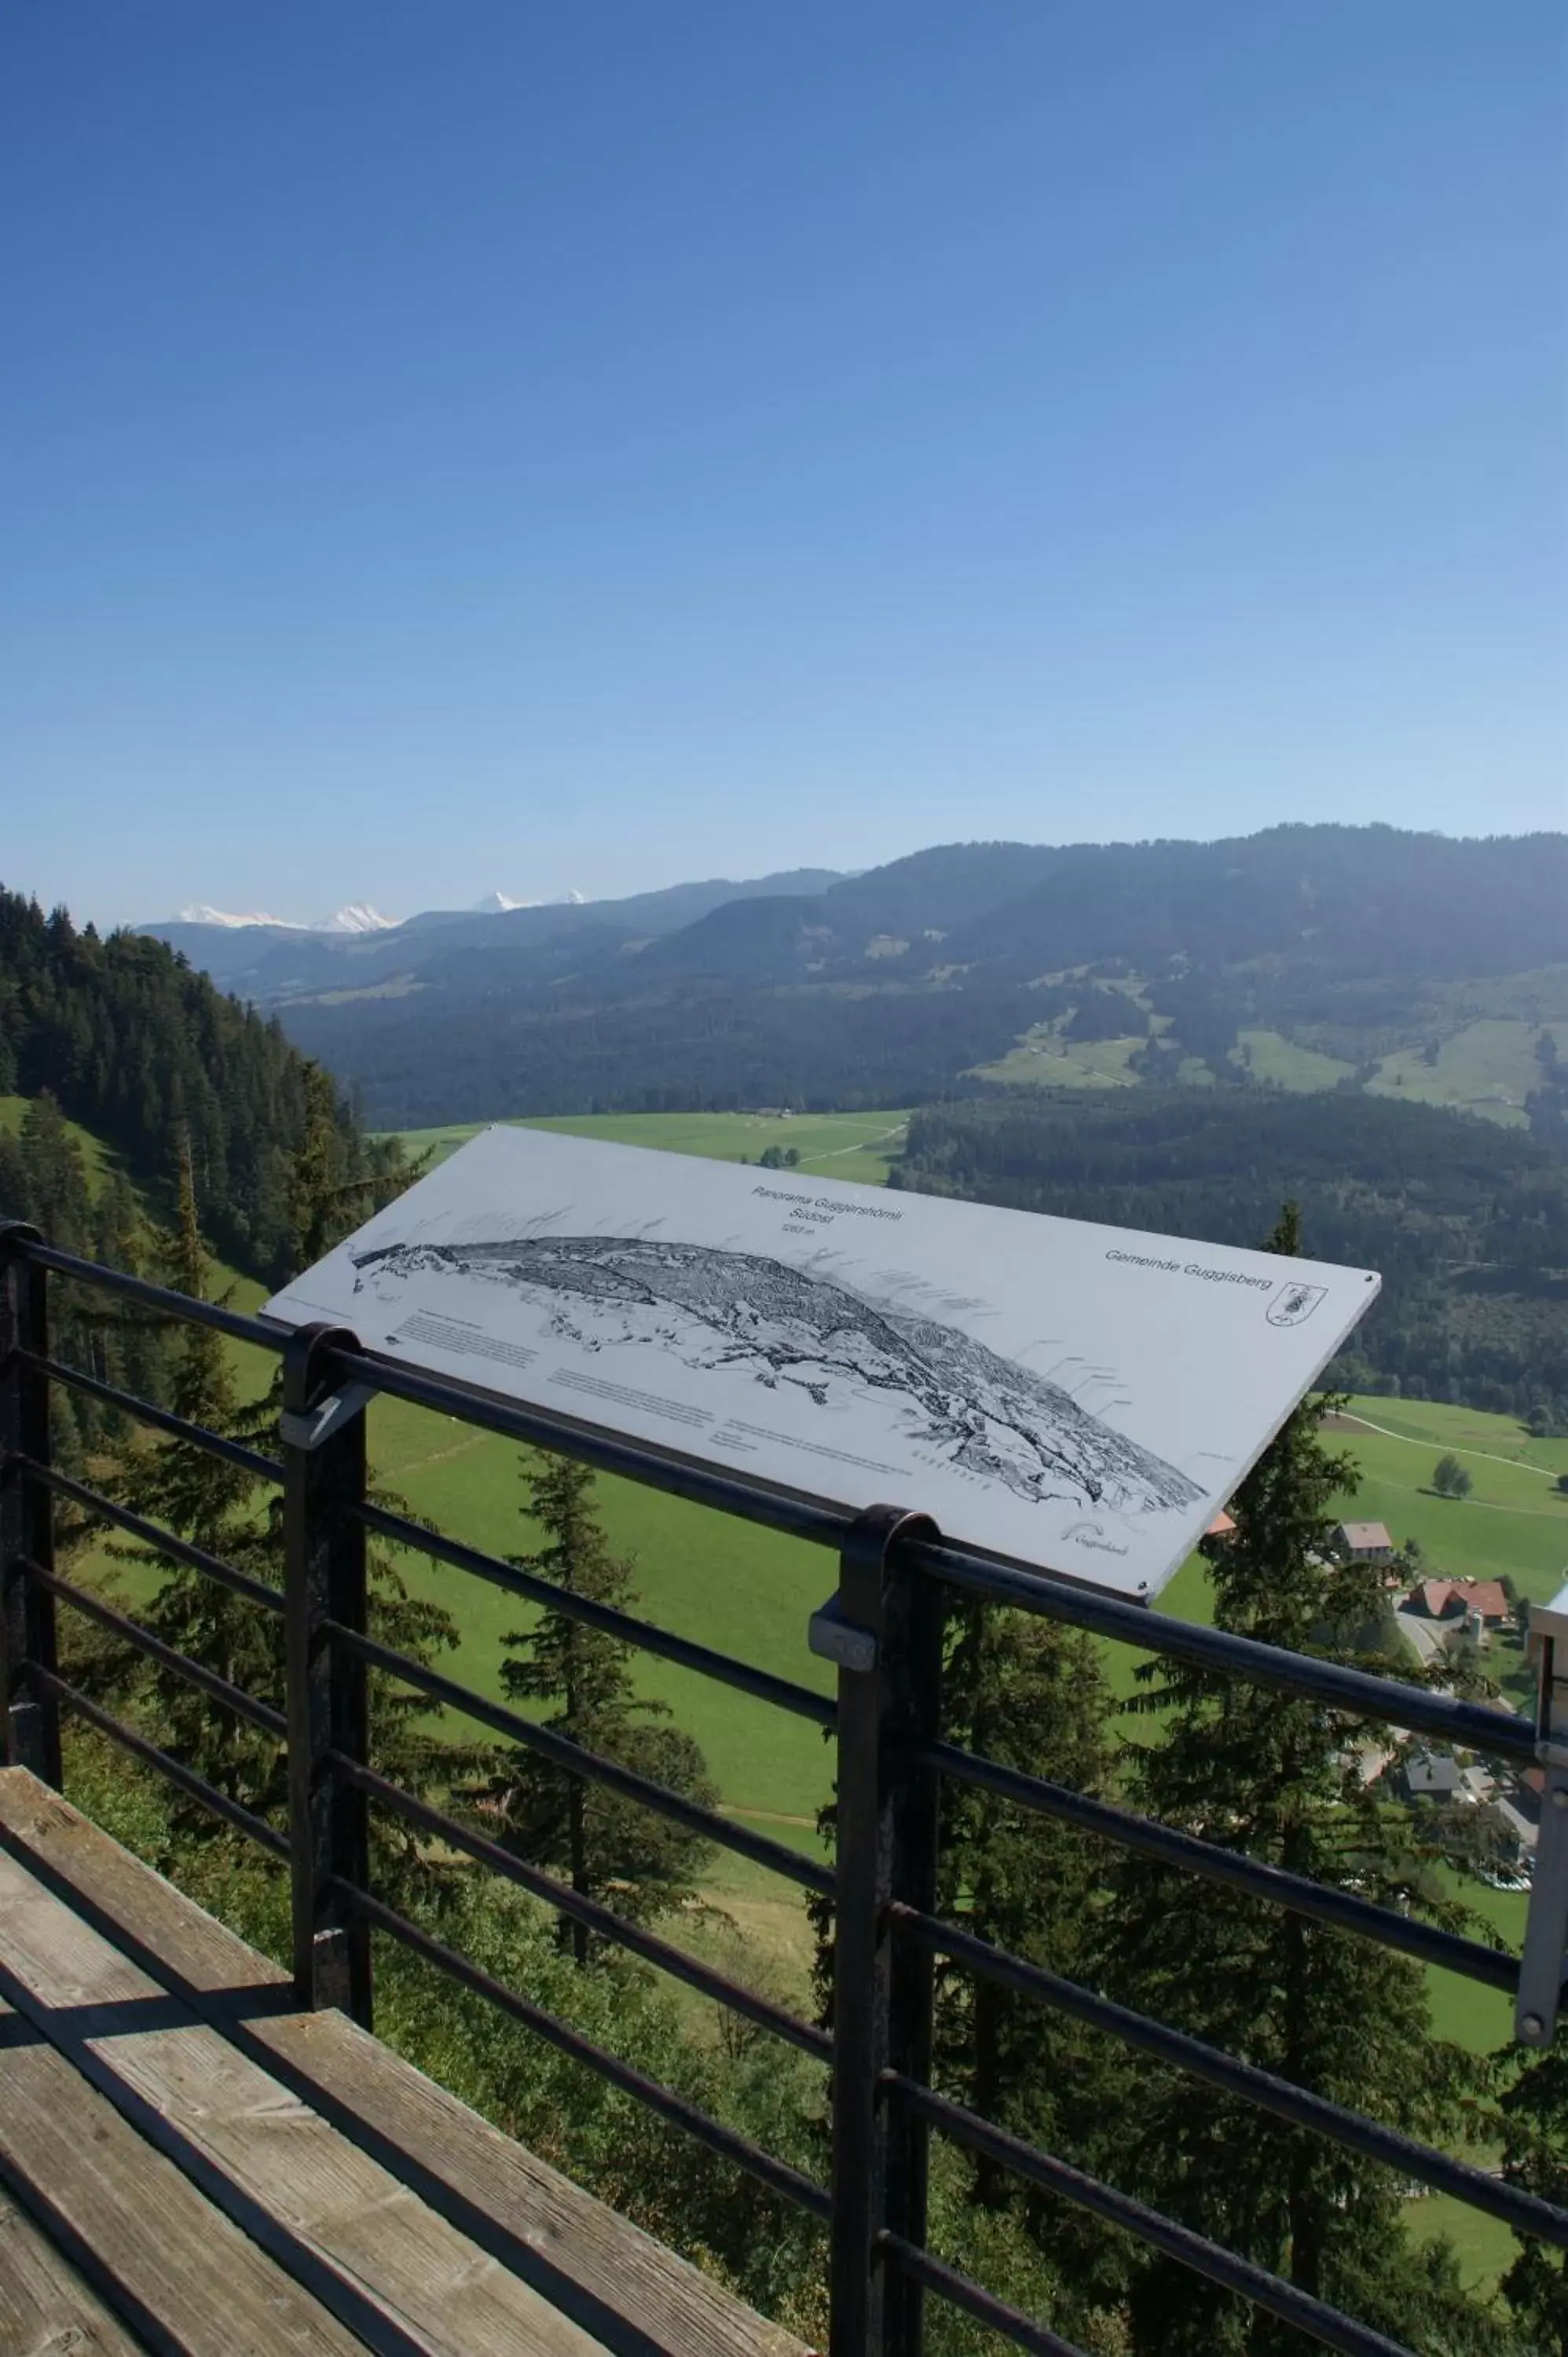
[1450, 1600]
[1364, 1542]
[1432, 1776]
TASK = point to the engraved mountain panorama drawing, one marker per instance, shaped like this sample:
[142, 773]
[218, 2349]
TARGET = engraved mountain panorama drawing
[787, 1327]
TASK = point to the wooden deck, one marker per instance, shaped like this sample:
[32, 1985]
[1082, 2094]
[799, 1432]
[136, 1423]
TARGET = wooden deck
[191, 2167]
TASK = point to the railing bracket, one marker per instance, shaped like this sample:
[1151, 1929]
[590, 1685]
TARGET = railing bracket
[833, 1637]
[317, 1424]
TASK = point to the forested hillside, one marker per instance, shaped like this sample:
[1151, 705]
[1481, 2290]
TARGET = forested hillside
[1361, 959]
[141, 1049]
[1468, 1224]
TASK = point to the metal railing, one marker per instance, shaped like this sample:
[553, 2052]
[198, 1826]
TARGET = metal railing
[884, 1630]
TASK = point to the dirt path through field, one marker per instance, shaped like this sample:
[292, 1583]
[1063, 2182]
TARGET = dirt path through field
[861, 1146]
[763, 1816]
[458, 1449]
[1486, 1456]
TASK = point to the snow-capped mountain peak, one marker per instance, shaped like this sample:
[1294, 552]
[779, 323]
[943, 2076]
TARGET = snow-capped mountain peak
[496, 904]
[199, 913]
[356, 917]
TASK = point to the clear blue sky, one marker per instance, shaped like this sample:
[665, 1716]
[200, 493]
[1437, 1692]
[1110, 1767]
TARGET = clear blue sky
[451, 446]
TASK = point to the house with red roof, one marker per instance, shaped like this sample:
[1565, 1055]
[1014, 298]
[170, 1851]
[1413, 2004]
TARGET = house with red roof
[1451, 1599]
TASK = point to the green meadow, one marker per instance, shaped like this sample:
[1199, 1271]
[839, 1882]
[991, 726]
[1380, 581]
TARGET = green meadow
[97, 1156]
[860, 1146]
[1269, 1056]
[1043, 1060]
[1488, 1068]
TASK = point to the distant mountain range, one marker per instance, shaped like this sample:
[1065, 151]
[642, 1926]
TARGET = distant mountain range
[355, 917]
[1302, 957]
[272, 960]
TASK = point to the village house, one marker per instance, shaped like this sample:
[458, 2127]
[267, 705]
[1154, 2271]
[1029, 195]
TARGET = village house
[1454, 1599]
[1218, 1535]
[1364, 1542]
[1432, 1776]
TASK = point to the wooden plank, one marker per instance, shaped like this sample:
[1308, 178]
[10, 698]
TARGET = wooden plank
[155, 2249]
[536, 2220]
[45, 2310]
[372, 2252]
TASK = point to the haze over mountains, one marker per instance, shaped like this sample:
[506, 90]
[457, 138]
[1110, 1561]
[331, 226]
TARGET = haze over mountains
[1302, 956]
[354, 917]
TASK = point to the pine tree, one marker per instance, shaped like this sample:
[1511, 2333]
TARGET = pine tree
[406, 1739]
[1535, 2157]
[1277, 1777]
[215, 1505]
[338, 1178]
[1031, 1695]
[129, 1342]
[610, 1847]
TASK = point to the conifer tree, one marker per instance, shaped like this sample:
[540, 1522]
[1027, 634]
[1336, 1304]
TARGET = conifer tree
[338, 1178]
[1535, 2157]
[1028, 1693]
[1278, 1778]
[214, 1504]
[610, 1847]
[16, 1194]
[128, 1341]
[407, 1742]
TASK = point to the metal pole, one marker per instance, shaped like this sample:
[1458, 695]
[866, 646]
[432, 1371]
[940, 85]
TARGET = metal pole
[885, 1631]
[1544, 1957]
[323, 1437]
[27, 1515]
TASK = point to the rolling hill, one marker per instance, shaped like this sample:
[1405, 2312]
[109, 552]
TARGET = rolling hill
[1312, 958]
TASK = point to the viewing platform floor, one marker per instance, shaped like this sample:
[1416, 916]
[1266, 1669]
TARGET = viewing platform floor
[192, 2166]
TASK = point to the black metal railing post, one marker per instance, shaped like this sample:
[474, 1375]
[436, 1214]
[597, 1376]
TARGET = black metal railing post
[885, 1631]
[26, 1513]
[323, 1434]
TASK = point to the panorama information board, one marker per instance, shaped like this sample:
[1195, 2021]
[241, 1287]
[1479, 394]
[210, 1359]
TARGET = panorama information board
[1077, 1398]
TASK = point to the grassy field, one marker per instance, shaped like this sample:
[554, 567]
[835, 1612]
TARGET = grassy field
[97, 1156]
[1043, 1059]
[840, 1144]
[1488, 1068]
[1269, 1056]
[1513, 1521]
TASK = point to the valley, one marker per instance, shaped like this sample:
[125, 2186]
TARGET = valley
[1429, 1168]
[1301, 958]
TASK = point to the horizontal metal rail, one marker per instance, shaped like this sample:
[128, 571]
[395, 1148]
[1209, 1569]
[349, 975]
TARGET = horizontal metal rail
[1191, 1855]
[777, 1509]
[245, 1820]
[131, 1633]
[949, 2284]
[1525, 2213]
[159, 1419]
[1356, 1695]
[590, 1912]
[778, 2176]
[1359, 1694]
[1248, 2281]
[267, 1333]
[688, 1655]
[576, 1761]
[157, 1541]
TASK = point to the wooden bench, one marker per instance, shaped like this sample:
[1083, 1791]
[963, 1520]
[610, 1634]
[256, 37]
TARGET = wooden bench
[189, 2164]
